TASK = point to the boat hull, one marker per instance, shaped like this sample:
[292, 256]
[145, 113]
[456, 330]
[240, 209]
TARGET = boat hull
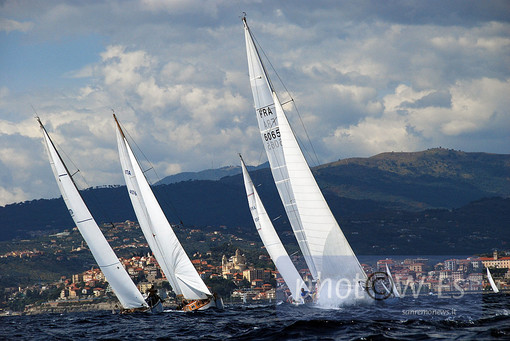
[198, 305]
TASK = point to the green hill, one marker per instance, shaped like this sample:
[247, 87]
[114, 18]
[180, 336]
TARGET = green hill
[429, 179]
[427, 194]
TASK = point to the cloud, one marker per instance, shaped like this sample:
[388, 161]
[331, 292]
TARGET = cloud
[366, 77]
[13, 194]
[8, 25]
[413, 119]
[434, 99]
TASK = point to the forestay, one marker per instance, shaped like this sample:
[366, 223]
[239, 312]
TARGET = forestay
[114, 272]
[271, 240]
[163, 242]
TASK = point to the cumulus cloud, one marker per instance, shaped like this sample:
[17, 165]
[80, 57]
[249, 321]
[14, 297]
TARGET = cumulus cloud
[412, 119]
[9, 25]
[367, 78]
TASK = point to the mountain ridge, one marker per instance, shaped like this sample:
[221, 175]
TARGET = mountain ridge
[356, 190]
[208, 174]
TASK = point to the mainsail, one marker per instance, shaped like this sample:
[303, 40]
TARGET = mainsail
[324, 246]
[271, 240]
[491, 281]
[163, 242]
[115, 274]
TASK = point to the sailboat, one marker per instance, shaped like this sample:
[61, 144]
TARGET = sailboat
[394, 288]
[271, 240]
[126, 291]
[332, 263]
[173, 260]
[491, 281]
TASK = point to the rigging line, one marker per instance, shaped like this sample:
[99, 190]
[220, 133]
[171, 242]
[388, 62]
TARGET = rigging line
[260, 157]
[292, 214]
[316, 160]
[126, 132]
[94, 199]
[163, 197]
[95, 203]
[59, 148]
[306, 133]
[68, 159]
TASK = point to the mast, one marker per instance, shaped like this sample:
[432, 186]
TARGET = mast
[113, 270]
[266, 75]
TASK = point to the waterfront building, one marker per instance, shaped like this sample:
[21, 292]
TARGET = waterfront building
[236, 263]
[495, 261]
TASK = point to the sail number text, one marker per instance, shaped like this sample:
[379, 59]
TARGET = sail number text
[267, 117]
[264, 112]
[273, 134]
[273, 139]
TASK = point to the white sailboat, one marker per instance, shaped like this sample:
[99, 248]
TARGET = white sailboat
[122, 285]
[394, 292]
[327, 253]
[163, 242]
[491, 281]
[271, 240]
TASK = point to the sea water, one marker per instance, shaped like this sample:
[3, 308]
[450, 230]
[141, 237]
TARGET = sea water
[473, 316]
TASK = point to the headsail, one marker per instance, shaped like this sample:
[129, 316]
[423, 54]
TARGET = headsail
[491, 281]
[271, 240]
[167, 249]
[113, 270]
[324, 246]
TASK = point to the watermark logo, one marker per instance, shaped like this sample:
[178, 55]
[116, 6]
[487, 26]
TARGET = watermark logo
[430, 312]
[379, 286]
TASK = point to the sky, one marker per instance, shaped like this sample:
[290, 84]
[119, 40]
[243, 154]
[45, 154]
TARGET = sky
[367, 77]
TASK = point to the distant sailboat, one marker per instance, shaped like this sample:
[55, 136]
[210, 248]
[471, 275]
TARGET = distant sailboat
[271, 240]
[122, 285]
[393, 284]
[173, 260]
[491, 281]
[327, 253]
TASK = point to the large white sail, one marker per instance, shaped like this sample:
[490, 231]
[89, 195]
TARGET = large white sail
[272, 139]
[115, 274]
[271, 240]
[163, 242]
[325, 248]
[491, 281]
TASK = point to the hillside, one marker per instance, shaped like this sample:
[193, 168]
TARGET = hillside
[435, 178]
[391, 187]
[208, 174]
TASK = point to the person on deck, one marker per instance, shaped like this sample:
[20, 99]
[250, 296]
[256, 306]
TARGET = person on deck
[305, 296]
[153, 297]
[290, 299]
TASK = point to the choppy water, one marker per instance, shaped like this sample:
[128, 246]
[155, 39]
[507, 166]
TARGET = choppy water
[475, 317]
